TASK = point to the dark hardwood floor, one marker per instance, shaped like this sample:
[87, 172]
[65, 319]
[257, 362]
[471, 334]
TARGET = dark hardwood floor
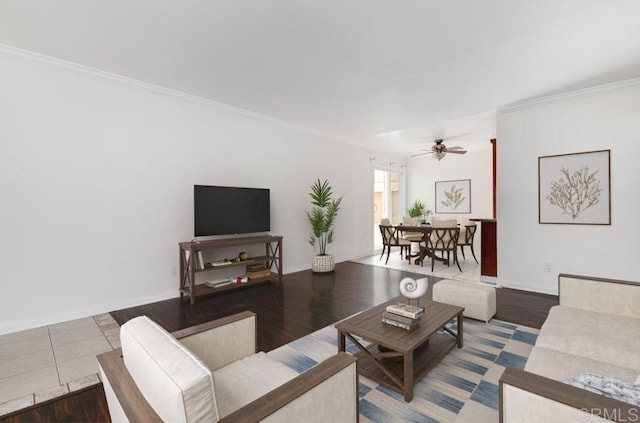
[302, 303]
[522, 307]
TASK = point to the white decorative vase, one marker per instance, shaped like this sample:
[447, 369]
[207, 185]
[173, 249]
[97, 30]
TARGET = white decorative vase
[323, 264]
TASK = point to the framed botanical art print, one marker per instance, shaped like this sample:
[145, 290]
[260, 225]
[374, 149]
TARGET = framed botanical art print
[575, 188]
[453, 196]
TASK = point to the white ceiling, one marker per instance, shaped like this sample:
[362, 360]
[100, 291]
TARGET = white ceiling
[391, 75]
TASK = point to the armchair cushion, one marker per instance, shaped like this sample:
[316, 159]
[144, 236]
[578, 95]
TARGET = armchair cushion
[176, 383]
[248, 379]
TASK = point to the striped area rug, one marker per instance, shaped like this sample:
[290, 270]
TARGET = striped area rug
[463, 387]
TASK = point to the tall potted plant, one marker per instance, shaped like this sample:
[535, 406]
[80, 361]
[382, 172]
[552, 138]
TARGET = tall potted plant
[321, 219]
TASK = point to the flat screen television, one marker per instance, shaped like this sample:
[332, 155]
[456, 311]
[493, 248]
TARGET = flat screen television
[230, 210]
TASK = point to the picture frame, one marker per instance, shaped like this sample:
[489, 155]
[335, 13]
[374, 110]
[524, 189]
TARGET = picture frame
[453, 196]
[575, 188]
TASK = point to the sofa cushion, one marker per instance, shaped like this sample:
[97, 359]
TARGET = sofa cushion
[604, 297]
[177, 385]
[598, 336]
[558, 365]
[248, 379]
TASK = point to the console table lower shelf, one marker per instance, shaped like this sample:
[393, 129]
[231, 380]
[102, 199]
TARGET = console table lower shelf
[204, 289]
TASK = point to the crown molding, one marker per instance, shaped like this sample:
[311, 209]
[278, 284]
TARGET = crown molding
[570, 95]
[82, 70]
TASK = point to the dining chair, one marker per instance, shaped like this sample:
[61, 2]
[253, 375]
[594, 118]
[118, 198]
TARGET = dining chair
[444, 240]
[416, 238]
[411, 236]
[444, 223]
[390, 238]
[467, 233]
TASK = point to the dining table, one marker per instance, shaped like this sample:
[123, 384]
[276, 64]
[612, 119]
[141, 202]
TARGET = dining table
[425, 230]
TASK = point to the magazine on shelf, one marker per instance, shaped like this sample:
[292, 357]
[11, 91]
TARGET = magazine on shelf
[219, 283]
[405, 310]
[228, 281]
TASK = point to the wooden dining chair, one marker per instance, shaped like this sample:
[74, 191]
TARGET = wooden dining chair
[444, 240]
[466, 239]
[411, 236]
[390, 238]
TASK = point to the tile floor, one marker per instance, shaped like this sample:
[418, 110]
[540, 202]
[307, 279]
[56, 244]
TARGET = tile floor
[470, 269]
[43, 363]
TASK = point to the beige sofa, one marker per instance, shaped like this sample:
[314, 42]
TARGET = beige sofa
[211, 372]
[595, 328]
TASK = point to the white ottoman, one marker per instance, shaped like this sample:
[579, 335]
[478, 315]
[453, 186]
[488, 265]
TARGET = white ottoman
[478, 300]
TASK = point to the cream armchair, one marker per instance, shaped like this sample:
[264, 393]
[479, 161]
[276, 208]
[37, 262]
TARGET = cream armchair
[211, 372]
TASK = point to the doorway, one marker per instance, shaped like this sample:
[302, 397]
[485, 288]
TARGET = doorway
[387, 200]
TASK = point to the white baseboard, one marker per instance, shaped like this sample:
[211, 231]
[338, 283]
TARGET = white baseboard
[523, 287]
[39, 321]
[491, 280]
[308, 266]
[79, 313]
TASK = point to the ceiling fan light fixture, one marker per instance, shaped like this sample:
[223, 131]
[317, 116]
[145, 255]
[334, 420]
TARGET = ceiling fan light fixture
[438, 155]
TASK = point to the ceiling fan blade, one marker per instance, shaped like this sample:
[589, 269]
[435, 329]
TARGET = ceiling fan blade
[457, 147]
[456, 151]
[421, 154]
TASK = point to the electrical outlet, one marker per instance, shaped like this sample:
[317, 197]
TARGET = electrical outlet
[547, 267]
[173, 271]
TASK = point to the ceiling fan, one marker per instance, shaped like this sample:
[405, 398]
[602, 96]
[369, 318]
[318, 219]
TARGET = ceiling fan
[439, 150]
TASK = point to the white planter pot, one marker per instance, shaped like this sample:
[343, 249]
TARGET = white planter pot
[323, 264]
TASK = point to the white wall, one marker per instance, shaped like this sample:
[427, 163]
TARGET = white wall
[476, 165]
[96, 181]
[423, 172]
[594, 120]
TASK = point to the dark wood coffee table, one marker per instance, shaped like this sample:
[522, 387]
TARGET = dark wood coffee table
[397, 358]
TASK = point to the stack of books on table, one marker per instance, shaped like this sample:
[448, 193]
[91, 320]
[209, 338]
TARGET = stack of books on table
[257, 270]
[404, 316]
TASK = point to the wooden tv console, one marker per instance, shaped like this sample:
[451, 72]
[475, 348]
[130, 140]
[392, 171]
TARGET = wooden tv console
[188, 259]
